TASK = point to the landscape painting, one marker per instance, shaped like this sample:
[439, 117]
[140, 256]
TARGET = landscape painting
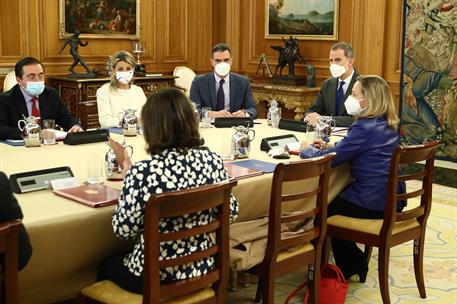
[100, 18]
[302, 19]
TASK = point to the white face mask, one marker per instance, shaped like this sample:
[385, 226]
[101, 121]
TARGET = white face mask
[337, 70]
[222, 69]
[124, 77]
[352, 105]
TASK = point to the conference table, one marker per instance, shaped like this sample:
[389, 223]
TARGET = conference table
[70, 239]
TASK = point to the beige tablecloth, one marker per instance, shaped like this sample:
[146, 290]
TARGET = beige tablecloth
[70, 240]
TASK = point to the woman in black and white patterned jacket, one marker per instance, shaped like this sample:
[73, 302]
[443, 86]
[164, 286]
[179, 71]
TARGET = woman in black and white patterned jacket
[177, 162]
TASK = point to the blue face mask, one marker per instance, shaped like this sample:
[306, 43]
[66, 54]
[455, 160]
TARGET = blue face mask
[35, 88]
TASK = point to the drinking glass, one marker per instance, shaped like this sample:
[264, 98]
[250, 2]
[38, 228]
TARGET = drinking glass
[227, 149]
[48, 132]
[275, 117]
[309, 128]
[94, 168]
[206, 120]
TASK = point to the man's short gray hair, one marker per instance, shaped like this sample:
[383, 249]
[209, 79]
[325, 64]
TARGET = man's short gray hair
[346, 47]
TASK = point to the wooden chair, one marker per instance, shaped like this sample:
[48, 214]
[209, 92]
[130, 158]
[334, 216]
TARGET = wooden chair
[209, 288]
[9, 261]
[185, 78]
[396, 227]
[88, 113]
[285, 253]
[9, 81]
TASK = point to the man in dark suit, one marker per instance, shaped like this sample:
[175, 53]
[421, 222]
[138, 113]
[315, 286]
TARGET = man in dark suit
[334, 91]
[228, 94]
[9, 211]
[31, 97]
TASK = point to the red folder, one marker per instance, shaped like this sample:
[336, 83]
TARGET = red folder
[91, 195]
[239, 172]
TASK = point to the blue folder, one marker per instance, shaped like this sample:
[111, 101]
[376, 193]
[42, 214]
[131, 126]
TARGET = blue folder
[13, 143]
[115, 130]
[255, 164]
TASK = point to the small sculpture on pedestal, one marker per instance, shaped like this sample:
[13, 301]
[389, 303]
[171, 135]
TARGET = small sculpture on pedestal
[75, 42]
[310, 78]
[288, 55]
[138, 49]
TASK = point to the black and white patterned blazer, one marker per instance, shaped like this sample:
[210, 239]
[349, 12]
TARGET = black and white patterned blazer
[170, 170]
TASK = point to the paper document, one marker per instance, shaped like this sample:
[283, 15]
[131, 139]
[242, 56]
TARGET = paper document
[60, 135]
[293, 148]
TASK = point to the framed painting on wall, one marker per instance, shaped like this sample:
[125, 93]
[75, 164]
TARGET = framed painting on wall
[100, 18]
[302, 19]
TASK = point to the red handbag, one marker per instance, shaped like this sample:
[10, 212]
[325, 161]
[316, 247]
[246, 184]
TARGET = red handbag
[332, 286]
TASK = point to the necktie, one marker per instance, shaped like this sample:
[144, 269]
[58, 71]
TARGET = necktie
[220, 97]
[339, 97]
[35, 111]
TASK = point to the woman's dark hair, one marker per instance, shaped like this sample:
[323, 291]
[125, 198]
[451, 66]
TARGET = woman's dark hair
[169, 122]
[19, 67]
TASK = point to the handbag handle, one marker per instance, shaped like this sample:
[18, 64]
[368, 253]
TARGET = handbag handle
[335, 269]
[295, 292]
[332, 267]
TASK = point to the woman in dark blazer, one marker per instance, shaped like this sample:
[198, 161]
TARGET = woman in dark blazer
[367, 147]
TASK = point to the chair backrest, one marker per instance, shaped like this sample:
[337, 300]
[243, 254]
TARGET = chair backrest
[301, 172]
[405, 155]
[172, 204]
[9, 260]
[186, 76]
[10, 81]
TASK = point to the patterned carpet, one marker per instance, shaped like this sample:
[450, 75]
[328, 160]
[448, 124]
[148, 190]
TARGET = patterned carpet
[440, 265]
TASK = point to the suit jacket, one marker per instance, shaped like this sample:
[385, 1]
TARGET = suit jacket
[13, 108]
[10, 210]
[368, 148]
[325, 103]
[203, 93]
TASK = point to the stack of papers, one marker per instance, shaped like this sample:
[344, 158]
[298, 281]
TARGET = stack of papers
[339, 131]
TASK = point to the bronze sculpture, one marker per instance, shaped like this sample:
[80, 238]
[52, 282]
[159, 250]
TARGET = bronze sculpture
[74, 41]
[311, 74]
[288, 55]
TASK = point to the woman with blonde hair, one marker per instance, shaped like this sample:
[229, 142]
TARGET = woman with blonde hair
[367, 148]
[120, 93]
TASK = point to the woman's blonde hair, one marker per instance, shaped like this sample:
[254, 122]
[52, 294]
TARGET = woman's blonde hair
[376, 92]
[120, 56]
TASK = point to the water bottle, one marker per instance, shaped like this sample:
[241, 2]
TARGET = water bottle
[275, 114]
[196, 113]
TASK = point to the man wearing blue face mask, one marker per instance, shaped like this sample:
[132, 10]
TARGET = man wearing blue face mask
[227, 94]
[31, 97]
[334, 91]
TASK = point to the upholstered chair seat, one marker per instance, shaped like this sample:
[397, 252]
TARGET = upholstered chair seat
[110, 293]
[369, 226]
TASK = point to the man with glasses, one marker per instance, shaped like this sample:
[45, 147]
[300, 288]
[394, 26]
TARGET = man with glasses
[31, 97]
[228, 94]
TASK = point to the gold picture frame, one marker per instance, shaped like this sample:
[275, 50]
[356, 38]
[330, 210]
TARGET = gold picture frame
[106, 19]
[302, 19]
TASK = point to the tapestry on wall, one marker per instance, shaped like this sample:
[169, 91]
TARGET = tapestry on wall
[429, 105]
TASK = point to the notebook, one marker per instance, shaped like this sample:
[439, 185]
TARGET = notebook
[238, 172]
[91, 195]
